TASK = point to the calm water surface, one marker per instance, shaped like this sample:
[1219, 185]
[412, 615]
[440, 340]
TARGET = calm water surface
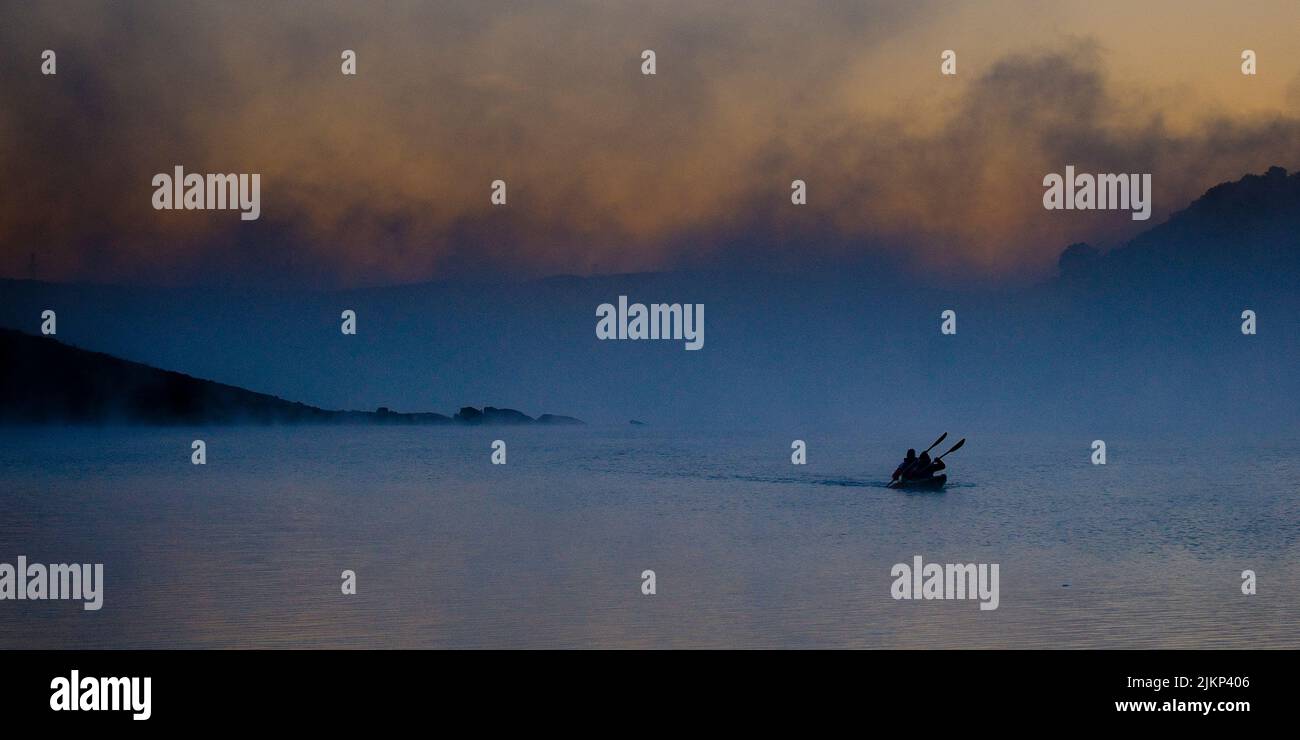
[547, 551]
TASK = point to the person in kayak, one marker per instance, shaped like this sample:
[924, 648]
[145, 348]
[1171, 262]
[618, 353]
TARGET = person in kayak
[905, 467]
[918, 468]
[925, 468]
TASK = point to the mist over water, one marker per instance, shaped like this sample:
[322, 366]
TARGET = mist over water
[547, 551]
[827, 353]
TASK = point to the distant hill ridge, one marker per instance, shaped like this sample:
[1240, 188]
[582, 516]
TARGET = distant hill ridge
[43, 380]
[1251, 225]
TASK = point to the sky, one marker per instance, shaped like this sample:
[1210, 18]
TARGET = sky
[384, 177]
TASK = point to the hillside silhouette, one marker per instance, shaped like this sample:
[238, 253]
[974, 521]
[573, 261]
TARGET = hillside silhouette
[43, 380]
[1239, 230]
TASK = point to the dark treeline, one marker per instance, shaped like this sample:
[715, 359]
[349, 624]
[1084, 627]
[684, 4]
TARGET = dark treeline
[45, 381]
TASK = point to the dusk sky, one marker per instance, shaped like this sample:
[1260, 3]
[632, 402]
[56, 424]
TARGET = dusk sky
[384, 177]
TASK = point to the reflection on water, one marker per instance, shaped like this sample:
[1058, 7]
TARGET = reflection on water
[547, 551]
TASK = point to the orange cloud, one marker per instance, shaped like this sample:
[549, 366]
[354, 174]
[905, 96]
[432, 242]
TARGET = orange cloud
[385, 176]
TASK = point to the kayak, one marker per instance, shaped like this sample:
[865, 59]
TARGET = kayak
[924, 484]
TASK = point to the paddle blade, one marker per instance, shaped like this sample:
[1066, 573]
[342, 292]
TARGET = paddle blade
[954, 448]
[937, 442]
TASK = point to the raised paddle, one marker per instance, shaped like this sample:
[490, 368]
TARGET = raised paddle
[941, 438]
[904, 473]
[951, 450]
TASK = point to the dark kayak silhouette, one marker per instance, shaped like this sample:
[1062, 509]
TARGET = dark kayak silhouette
[933, 483]
[909, 476]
